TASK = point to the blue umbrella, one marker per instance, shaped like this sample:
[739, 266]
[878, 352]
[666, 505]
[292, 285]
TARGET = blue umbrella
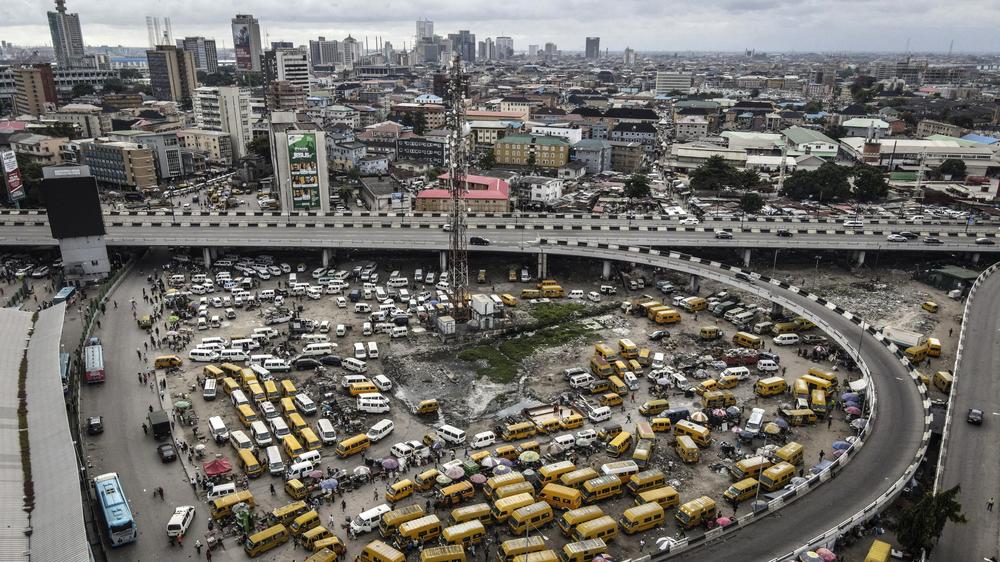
[849, 396]
[841, 445]
[781, 423]
[329, 484]
[851, 404]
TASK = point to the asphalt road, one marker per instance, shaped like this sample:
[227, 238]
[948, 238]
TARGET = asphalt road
[973, 455]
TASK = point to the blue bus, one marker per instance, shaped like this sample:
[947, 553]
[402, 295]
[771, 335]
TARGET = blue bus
[114, 506]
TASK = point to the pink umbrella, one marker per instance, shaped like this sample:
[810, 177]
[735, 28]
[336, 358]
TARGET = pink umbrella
[477, 479]
[723, 521]
[315, 474]
[826, 554]
[853, 411]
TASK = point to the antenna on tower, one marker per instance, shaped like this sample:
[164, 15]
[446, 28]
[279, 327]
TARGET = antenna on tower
[458, 170]
[781, 173]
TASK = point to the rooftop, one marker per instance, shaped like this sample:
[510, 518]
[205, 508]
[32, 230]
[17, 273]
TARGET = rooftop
[801, 135]
[865, 122]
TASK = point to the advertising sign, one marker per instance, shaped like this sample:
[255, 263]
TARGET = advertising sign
[303, 169]
[12, 176]
[241, 44]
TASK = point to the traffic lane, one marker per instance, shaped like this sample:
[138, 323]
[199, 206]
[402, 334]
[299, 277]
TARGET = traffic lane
[972, 456]
[123, 448]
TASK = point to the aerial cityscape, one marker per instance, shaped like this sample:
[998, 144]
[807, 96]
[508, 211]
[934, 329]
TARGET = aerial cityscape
[462, 282]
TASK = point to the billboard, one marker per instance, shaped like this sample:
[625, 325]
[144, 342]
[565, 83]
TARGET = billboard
[303, 169]
[241, 44]
[73, 206]
[12, 176]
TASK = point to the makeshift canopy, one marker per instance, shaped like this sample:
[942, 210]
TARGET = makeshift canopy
[217, 467]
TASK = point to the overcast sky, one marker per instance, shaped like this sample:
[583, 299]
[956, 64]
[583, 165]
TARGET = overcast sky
[651, 25]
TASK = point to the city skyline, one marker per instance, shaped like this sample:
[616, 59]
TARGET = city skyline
[764, 25]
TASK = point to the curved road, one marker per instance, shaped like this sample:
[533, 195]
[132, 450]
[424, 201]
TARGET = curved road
[973, 455]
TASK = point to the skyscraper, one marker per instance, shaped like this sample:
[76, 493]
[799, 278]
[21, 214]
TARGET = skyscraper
[225, 109]
[172, 74]
[323, 52]
[288, 65]
[205, 57]
[67, 39]
[425, 29]
[505, 47]
[246, 42]
[464, 43]
[593, 48]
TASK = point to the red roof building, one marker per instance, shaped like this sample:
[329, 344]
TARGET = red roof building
[483, 194]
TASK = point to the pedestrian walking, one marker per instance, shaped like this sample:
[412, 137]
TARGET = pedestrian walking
[950, 331]
[138, 352]
[989, 504]
[208, 553]
[343, 505]
[139, 374]
[197, 546]
[822, 454]
[273, 493]
[145, 430]
[375, 494]
[829, 421]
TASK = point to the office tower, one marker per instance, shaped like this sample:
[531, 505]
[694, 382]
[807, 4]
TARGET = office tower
[463, 43]
[630, 56]
[67, 39]
[425, 29]
[667, 82]
[505, 47]
[593, 48]
[225, 109]
[246, 42]
[289, 65]
[350, 51]
[551, 50]
[532, 51]
[205, 57]
[172, 74]
[323, 52]
[34, 90]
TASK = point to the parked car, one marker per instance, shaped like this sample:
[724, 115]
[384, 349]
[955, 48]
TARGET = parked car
[306, 363]
[689, 221]
[331, 360]
[479, 241]
[659, 335]
[985, 241]
[896, 238]
[933, 241]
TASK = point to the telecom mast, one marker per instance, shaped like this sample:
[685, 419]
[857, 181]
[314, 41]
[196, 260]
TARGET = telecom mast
[458, 169]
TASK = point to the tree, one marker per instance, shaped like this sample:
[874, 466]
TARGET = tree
[869, 184]
[963, 120]
[921, 524]
[747, 180]
[828, 183]
[113, 86]
[60, 129]
[835, 132]
[82, 90]
[637, 186]
[953, 167]
[488, 160]
[419, 123]
[714, 175]
[751, 203]
[814, 106]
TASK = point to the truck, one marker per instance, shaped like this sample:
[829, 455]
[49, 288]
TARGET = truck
[93, 361]
[159, 424]
[904, 338]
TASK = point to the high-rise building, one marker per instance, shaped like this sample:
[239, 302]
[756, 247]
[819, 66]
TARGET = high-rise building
[288, 65]
[34, 90]
[667, 81]
[551, 51]
[350, 51]
[425, 29]
[532, 51]
[630, 56]
[172, 74]
[593, 48]
[67, 39]
[298, 156]
[505, 47]
[464, 43]
[323, 52]
[225, 109]
[246, 42]
[205, 57]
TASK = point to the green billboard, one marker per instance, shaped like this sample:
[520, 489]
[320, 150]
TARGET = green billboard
[303, 169]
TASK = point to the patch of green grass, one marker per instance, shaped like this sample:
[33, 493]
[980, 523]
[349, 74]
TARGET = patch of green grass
[498, 366]
[556, 312]
[504, 360]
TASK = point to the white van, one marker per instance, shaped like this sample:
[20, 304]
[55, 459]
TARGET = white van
[275, 464]
[401, 451]
[259, 359]
[305, 404]
[260, 434]
[217, 428]
[267, 410]
[313, 457]
[631, 380]
[373, 403]
[298, 470]
[382, 382]
[266, 295]
[354, 365]
[359, 351]
[246, 344]
[341, 330]
[399, 332]
[576, 294]
[270, 332]
[239, 440]
[324, 327]
[239, 398]
[279, 427]
[366, 329]
[220, 490]
[483, 439]
[600, 414]
[755, 421]
[398, 282]
[215, 322]
[262, 373]
[210, 389]
[372, 350]
[317, 338]
[742, 373]
[317, 349]
[277, 365]
[202, 355]
[566, 440]
[451, 434]
[581, 381]
[658, 360]
[368, 520]
[233, 355]
[347, 380]
[767, 365]
[362, 308]
[325, 431]
[786, 339]
[314, 293]
[380, 430]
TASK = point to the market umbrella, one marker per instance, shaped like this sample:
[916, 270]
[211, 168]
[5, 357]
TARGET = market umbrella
[719, 413]
[329, 484]
[359, 470]
[390, 464]
[200, 448]
[528, 474]
[529, 456]
[853, 411]
[699, 417]
[501, 469]
[772, 428]
[849, 397]
[506, 462]
[783, 424]
[839, 453]
[454, 472]
[171, 333]
[826, 554]
[851, 404]
[859, 424]
[182, 405]
[838, 445]
[173, 319]
[317, 474]
[810, 556]
[216, 467]
[723, 521]
[489, 462]
[443, 480]
[478, 479]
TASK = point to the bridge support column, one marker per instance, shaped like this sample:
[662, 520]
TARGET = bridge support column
[606, 271]
[443, 260]
[326, 257]
[777, 311]
[206, 256]
[746, 257]
[543, 266]
[859, 258]
[694, 284]
[975, 257]
[213, 252]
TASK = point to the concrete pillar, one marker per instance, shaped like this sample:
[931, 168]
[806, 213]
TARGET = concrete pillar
[214, 252]
[777, 311]
[326, 257]
[694, 284]
[543, 266]
[859, 258]
[975, 257]
[606, 272]
[443, 259]
[206, 255]
[746, 257]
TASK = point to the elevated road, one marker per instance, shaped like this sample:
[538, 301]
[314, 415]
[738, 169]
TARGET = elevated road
[972, 455]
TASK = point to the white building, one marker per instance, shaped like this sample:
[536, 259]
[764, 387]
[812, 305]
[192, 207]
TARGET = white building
[691, 127]
[905, 154]
[540, 189]
[808, 141]
[864, 127]
[289, 65]
[667, 82]
[573, 135]
[226, 109]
